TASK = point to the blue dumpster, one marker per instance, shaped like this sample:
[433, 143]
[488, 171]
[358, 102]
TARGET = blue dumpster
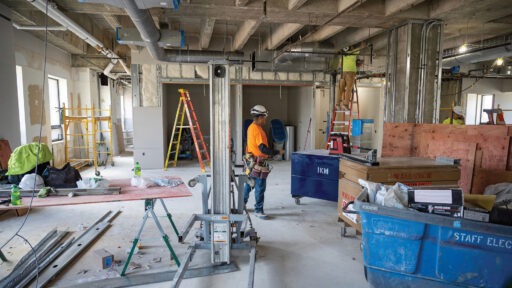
[407, 248]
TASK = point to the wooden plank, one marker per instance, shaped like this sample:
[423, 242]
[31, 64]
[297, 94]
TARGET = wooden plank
[5, 153]
[128, 193]
[485, 177]
[397, 140]
[459, 150]
[509, 164]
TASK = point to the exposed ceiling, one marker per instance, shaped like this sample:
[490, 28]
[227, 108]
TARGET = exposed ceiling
[275, 25]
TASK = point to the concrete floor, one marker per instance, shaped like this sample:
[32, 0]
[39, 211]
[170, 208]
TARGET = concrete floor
[300, 245]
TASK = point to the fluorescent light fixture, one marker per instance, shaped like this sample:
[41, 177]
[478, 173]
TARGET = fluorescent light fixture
[463, 48]
[499, 61]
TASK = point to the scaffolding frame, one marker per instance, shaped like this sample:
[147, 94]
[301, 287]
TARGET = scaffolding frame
[88, 135]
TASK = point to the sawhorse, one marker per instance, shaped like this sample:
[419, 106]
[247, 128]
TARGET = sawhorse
[149, 206]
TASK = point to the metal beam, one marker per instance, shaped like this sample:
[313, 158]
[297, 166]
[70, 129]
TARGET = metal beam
[244, 33]
[206, 32]
[157, 277]
[295, 4]
[279, 35]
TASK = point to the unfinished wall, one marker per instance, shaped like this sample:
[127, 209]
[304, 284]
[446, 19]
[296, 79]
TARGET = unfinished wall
[300, 113]
[30, 56]
[9, 108]
[501, 88]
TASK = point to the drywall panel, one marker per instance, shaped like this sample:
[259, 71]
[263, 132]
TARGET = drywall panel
[9, 112]
[148, 139]
[300, 112]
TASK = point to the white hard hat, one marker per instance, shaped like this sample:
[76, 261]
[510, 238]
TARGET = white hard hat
[259, 110]
[27, 182]
[459, 110]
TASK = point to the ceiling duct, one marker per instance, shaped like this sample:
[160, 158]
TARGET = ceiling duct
[72, 26]
[481, 55]
[306, 50]
[141, 4]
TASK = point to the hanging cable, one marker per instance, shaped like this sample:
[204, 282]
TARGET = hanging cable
[17, 233]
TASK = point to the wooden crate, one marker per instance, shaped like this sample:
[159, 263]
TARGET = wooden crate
[347, 192]
[411, 171]
[402, 169]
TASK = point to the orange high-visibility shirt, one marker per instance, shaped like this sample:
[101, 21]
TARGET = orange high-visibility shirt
[255, 137]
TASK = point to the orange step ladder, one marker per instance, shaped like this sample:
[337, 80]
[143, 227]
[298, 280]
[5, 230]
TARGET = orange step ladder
[342, 126]
[185, 107]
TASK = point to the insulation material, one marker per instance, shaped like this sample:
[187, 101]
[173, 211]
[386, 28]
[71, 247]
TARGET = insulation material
[232, 72]
[282, 76]
[307, 76]
[35, 102]
[149, 86]
[255, 75]
[188, 71]
[202, 71]
[172, 70]
[319, 76]
[294, 76]
[268, 75]
[246, 72]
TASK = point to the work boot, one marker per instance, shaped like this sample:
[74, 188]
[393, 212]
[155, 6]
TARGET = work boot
[261, 215]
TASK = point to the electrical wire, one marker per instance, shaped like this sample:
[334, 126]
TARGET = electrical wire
[17, 233]
[465, 89]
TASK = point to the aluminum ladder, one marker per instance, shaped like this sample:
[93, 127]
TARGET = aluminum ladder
[185, 106]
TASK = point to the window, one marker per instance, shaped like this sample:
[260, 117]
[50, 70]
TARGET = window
[476, 104]
[55, 109]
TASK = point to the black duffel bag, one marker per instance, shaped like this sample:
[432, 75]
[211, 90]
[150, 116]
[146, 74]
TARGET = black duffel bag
[65, 177]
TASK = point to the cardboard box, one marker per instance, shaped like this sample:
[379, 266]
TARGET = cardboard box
[446, 202]
[347, 192]
[476, 214]
[107, 258]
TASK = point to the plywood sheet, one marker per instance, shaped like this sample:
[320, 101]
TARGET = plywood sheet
[5, 153]
[127, 193]
[509, 164]
[485, 177]
[460, 150]
[397, 141]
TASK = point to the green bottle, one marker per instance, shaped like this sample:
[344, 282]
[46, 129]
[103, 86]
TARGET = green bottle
[137, 171]
[15, 196]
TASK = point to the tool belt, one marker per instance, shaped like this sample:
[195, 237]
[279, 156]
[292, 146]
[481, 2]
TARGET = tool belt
[256, 167]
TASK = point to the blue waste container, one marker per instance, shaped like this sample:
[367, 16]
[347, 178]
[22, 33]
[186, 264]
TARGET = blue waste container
[407, 248]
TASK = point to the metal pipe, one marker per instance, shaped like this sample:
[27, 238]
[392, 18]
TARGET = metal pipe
[150, 34]
[39, 28]
[437, 101]
[387, 76]
[72, 26]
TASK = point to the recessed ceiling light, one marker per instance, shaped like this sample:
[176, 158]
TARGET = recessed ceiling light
[463, 48]
[499, 61]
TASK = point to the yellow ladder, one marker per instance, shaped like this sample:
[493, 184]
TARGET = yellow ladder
[185, 107]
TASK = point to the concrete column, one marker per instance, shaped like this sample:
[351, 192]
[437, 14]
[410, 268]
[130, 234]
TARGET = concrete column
[9, 110]
[412, 69]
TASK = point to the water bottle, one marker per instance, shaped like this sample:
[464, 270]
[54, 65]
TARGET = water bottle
[137, 171]
[15, 196]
